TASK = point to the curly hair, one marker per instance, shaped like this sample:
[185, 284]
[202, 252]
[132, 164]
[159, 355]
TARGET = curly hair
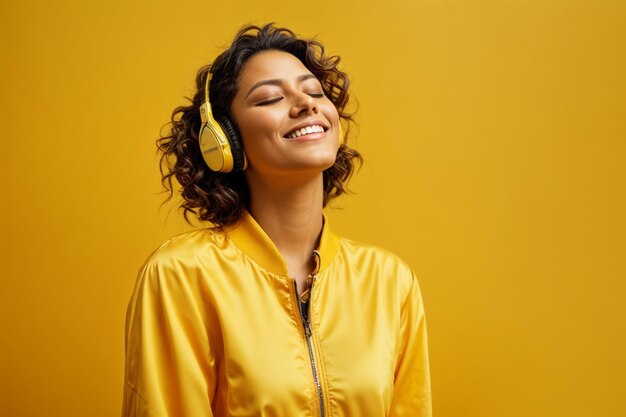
[221, 198]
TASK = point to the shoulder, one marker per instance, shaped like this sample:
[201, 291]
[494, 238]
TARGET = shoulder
[375, 253]
[171, 283]
[377, 262]
[186, 246]
[181, 255]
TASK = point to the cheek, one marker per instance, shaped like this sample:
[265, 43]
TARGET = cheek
[331, 112]
[259, 134]
[259, 125]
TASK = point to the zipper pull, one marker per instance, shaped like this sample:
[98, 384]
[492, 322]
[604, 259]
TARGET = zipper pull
[304, 297]
[310, 280]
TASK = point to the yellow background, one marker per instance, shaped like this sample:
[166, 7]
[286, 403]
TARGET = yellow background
[494, 134]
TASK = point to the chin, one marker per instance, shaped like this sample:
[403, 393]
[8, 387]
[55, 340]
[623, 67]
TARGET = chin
[322, 162]
[293, 163]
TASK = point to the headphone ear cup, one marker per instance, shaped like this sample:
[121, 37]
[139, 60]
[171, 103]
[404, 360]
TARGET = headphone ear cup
[236, 144]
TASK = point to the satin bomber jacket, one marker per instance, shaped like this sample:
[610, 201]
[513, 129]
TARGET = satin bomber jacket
[214, 328]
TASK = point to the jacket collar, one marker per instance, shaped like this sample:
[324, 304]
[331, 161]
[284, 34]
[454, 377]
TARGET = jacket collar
[248, 235]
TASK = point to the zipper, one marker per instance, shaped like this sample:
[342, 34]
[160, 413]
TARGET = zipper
[305, 316]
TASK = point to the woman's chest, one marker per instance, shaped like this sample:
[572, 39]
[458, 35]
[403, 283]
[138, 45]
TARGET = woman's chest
[339, 363]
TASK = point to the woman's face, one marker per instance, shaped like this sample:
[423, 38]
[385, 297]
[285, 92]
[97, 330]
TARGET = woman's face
[288, 126]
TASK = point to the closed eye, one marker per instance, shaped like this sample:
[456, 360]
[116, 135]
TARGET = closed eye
[316, 95]
[270, 101]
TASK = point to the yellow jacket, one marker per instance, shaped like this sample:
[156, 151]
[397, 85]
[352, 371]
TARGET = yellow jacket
[214, 328]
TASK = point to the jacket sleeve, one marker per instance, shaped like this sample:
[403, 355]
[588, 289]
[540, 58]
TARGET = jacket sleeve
[411, 393]
[170, 366]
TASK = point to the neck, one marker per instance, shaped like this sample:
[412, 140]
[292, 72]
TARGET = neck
[291, 215]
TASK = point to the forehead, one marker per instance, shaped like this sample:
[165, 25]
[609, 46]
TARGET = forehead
[271, 65]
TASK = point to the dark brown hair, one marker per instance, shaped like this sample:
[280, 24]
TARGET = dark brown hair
[221, 198]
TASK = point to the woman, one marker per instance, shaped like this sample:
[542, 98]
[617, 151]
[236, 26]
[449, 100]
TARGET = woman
[269, 313]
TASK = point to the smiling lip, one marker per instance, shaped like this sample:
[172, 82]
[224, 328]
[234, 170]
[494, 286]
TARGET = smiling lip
[315, 129]
[308, 137]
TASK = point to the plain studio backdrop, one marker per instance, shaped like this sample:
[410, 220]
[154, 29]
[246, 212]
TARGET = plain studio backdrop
[494, 135]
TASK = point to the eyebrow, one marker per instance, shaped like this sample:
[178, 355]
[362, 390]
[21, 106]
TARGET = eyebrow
[277, 82]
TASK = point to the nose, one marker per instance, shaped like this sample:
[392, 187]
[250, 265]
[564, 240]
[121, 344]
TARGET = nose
[303, 104]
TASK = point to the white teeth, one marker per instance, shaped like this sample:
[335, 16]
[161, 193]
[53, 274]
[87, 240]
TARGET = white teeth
[305, 131]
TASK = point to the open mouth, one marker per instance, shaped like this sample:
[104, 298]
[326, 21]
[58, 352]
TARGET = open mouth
[305, 131]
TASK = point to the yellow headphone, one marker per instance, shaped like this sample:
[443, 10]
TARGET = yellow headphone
[220, 144]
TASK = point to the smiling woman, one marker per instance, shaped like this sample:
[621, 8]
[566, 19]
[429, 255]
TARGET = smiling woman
[268, 312]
